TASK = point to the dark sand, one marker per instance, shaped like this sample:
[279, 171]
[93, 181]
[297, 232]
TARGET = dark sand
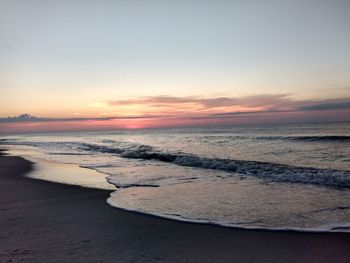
[48, 222]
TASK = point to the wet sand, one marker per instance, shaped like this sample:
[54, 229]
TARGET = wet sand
[43, 221]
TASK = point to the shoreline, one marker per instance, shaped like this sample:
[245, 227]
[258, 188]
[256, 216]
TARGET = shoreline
[41, 219]
[42, 167]
[236, 227]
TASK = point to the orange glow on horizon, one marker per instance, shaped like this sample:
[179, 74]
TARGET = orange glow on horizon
[164, 122]
[167, 111]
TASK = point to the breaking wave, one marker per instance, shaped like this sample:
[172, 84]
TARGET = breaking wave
[265, 170]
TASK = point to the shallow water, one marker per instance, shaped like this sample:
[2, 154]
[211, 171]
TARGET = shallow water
[276, 177]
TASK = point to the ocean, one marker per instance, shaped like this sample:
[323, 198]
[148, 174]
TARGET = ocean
[279, 177]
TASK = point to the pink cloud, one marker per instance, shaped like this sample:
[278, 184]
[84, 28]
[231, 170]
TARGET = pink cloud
[168, 111]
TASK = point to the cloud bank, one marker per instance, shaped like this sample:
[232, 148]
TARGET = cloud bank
[265, 101]
[170, 111]
[160, 107]
[29, 118]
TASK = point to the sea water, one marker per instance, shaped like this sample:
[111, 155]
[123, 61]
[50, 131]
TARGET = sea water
[294, 176]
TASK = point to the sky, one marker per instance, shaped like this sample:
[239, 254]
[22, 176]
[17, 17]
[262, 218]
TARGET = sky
[137, 64]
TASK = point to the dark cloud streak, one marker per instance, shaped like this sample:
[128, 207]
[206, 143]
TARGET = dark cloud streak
[29, 118]
[206, 103]
[269, 104]
[326, 106]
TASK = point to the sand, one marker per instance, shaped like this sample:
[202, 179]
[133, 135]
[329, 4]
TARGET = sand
[43, 221]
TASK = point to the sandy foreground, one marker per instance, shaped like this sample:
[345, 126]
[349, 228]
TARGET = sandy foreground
[42, 221]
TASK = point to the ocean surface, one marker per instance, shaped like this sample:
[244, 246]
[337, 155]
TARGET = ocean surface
[294, 176]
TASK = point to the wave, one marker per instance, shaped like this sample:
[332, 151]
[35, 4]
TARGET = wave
[265, 170]
[306, 138]
[311, 138]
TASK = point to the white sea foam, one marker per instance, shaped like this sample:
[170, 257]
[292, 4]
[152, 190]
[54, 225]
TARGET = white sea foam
[339, 228]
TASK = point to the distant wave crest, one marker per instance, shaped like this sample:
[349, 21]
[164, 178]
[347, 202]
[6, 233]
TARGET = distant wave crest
[311, 138]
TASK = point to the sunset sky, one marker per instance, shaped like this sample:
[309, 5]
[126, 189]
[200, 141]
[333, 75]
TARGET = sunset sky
[81, 65]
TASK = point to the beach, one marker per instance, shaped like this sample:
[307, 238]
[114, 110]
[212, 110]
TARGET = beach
[49, 222]
[175, 131]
